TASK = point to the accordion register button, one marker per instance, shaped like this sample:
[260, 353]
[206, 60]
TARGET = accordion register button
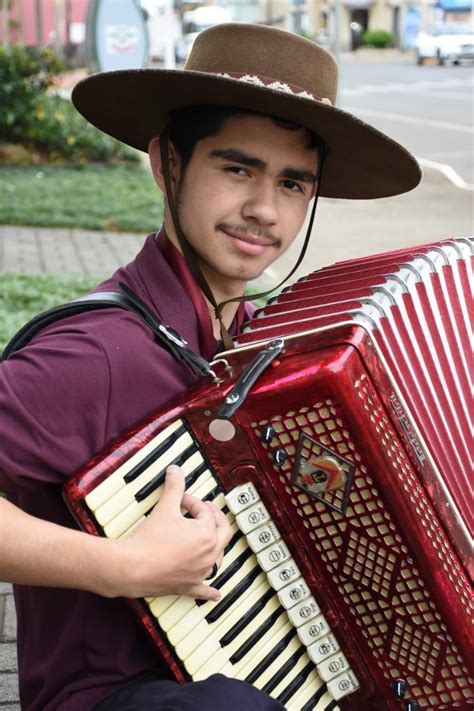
[252, 517]
[283, 574]
[343, 685]
[267, 434]
[273, 556]
[323, 648]
[333, 666]
[303, 611]
[263, 537]
[313, 630]
[291, 595]
[279, 457]
[242, 497]
[399, 688]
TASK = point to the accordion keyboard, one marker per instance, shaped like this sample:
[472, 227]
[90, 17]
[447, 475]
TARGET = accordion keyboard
[267, 628]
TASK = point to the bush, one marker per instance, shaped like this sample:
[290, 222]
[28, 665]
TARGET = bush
[25, 74]
[378, 38]
[45, 123]
[60, 133]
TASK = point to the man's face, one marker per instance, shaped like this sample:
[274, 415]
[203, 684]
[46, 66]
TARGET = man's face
[244, 196]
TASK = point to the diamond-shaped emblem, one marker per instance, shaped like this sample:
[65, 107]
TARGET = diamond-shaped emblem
[322, 473]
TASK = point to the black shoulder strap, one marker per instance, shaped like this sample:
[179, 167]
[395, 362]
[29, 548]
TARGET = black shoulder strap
[124, 299]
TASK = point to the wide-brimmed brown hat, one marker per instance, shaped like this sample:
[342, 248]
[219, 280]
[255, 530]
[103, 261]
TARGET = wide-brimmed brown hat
[260, 69]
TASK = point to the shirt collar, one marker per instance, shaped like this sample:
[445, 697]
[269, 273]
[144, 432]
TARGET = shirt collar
[179, 284]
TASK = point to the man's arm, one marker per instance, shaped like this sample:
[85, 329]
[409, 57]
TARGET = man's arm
[167, 554]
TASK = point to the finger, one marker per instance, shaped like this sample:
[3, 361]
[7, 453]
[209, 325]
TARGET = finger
[197, 509]
[221, 518]
[173, 489]
[224, 535]
[204, 592]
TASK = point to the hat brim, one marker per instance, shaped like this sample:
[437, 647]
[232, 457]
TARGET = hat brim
[134, 105]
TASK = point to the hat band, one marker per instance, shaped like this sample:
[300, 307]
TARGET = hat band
[268, 83]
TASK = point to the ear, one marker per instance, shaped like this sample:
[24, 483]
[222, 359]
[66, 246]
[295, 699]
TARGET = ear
[156, 165]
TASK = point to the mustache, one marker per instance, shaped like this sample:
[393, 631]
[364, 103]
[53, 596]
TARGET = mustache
[250, 231]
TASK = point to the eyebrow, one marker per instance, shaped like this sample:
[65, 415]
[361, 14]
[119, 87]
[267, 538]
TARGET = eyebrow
[236, 156]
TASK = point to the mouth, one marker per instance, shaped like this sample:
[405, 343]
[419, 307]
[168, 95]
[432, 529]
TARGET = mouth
[249, 244]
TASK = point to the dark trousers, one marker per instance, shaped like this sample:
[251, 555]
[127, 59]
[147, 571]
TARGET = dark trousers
[217, 693]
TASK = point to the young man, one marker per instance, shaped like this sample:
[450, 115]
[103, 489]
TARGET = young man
[239, 170]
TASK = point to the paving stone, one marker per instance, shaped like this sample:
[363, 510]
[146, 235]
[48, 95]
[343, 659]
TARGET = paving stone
[5, 588]
[9, 622]
[8, 657]
[9, 687]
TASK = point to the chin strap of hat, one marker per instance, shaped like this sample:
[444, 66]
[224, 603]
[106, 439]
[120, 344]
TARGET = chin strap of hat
[190, 254]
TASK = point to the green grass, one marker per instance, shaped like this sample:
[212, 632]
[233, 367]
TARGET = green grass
[22, 296]
[92, 197]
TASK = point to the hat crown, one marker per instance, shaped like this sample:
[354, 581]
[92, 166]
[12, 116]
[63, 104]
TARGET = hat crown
[260, 51]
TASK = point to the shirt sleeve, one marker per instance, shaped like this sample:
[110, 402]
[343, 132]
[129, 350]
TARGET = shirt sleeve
[54, 396]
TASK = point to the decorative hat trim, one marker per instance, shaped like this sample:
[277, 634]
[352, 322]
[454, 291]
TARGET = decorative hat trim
[268, 83]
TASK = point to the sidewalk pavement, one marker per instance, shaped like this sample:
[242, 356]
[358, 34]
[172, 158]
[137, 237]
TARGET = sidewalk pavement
[31, 250]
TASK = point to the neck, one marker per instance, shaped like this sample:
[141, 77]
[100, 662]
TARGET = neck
[222, 289]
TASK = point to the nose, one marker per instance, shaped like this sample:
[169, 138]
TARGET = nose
[261, 204]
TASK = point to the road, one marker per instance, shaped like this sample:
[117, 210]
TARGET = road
[429, 109]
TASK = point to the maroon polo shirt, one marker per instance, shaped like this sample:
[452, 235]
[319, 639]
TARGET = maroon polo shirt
[76, 387]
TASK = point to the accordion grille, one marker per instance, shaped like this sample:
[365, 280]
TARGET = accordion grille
[364, 554]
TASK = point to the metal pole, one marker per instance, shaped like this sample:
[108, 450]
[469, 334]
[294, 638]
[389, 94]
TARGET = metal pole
[39, 22]
[170, 55]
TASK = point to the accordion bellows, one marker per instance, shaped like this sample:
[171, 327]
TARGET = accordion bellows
[345, 473]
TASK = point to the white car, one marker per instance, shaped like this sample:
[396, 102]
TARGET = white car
[445, 43]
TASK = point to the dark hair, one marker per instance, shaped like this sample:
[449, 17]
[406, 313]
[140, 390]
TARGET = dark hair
[191, 124]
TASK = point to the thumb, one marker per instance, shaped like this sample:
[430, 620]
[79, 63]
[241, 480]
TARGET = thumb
[173, 489]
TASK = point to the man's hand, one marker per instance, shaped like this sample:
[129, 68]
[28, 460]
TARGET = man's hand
[170, 554]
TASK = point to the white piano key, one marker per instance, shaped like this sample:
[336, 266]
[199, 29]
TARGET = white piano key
[303, 611]
[126, 518]
[263, 537]
[184, 605]
[273, 555]
[306, 692]
[158, 605]
[252, 517]
[244, 668]
[106, 489]
[333, 666]
[310, 631]
[203, 631]
[283, 574]
[291, 595]
[126, 495]
[296, 669]
[242, 497]
[323, 648]
[198, 612]
[343, 685]
[291, 648]
[230, 649]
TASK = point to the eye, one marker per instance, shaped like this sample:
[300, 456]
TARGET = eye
[292, 186]
[235, 169]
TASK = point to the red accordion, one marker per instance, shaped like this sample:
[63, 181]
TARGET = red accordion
[338, 442]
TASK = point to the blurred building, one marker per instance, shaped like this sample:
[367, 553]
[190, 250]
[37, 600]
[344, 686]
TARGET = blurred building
[61, 23]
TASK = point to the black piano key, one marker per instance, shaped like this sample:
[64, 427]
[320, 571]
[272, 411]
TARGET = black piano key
[190, 479]
[311, 703]
[154, 455]
[271, 656]
[159, 478]
[234, 631]
[284, 670]
[250, 643]
[332, 706]
[221, 579]
[295, 684]
[232, 596]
